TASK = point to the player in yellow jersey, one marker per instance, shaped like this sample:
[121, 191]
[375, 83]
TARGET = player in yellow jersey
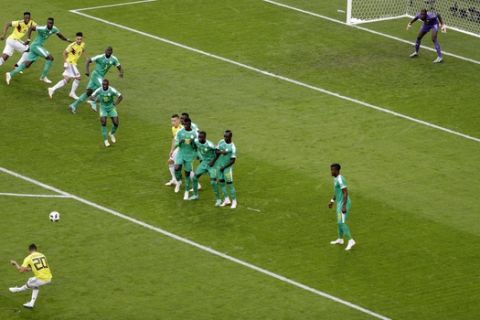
[71, 55]
[14, 41]
[176, 126]
[37, 263]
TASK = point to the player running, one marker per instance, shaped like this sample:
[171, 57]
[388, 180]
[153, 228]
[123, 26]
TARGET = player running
[226, 156]
[37, 50]
[103, 63]
[14, 41]
[431, 22]
[37, 263]
[176, 126]
[207, 153]
[186, 154]
[106, 95]
[342, 200]
[71, 55]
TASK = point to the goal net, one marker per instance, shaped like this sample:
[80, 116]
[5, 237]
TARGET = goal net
[459, 15]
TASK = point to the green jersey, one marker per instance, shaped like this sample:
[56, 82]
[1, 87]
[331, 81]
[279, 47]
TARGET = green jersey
[206, 150]
[231, 152]
[106, 97]
[185, 141]
[43, 33]
[339, 183]
[103, 64]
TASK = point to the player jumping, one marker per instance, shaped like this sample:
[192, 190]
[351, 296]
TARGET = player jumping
[106, 95]
[226, 156]
[37, 263]
[103, 63]
[431, 22]
[14, 41]
[37, 50]
[71, 55]
[342, 200]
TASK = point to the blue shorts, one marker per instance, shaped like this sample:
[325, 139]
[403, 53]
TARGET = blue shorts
[426, 28]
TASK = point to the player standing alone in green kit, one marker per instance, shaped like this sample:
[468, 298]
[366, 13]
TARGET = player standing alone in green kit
[343, 203]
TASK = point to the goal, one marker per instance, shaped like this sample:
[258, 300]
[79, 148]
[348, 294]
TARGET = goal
[459, 15]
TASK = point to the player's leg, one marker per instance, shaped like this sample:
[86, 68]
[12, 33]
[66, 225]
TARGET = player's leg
[58, 85]
[116, 123]
[34, 284]
[436, 45]
[223, 188]
[7, 52]
[178, 170]
[228, 173]
[339, 239]
[171, 168]
[75, 85]
[201, 169]
[212, 173]
[103, 122]
[418, 42]
[83, 97]
[188, 178]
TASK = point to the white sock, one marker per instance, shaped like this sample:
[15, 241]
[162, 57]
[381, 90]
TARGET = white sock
[23, 58]
[34, 295]
[171, 168]
[59, 84]
[75, 85]
[1, 61]
[23, 288]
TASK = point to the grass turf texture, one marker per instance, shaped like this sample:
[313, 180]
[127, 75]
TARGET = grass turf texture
[412, 187]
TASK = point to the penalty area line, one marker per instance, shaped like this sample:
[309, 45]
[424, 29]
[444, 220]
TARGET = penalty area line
[197, 245]
[28, 195]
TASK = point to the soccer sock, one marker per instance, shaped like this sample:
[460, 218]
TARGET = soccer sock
[20, 67]
[178, 175]
[1, 61]
[104, 132]
[34, 295]
[340, 231]
[224, 189]
[114, 129]
[171, 168]
[22, 58]
[75, 85]
[417, 45]
[346, 231]
[195, 185]
[437, 47]
[23, 288]
[60, 84]
[46, 68]
[80, 99]
[188, 181]
[214, 184]
[232, 191]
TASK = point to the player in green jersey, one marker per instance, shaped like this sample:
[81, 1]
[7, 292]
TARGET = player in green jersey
[106, 95]
[186, 154]
[195, 128]
[226, 156]
[342, 200]
[206, 150]
[103, 63]
[37, 50]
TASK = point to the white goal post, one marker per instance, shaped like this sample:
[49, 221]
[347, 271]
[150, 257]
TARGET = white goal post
[458, 15]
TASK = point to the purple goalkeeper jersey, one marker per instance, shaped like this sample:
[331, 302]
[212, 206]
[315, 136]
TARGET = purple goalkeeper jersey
[430, 20]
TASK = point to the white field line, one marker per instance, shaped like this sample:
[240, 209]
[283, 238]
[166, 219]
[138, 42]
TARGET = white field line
[276, 76]
[196, 245]
[253, 209]
[446, 53]
[8, 194]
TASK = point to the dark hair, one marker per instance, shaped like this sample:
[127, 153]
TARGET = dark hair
[187, 120]
[228, 131]
[185, 114]
[26, 12]
[79, 34]
[336, 166]
[202, 132]
[32, 247]
[51, 19]
[424, 10]
[175, 115]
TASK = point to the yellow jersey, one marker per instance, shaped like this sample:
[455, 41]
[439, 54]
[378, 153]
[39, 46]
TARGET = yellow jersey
[176, 129]
[20, 29]
[74, 52]
[38, 263]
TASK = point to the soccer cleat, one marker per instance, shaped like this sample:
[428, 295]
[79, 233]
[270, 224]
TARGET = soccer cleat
[414, 55]
[72, 109]
[107, 144]
[438, 60]
[112, 137]
[234, 204]
[8, 78]
[194, 197]
[93, 105]
[177, 186]
[350, 244]
[170, 183]
[50, 92]
[14, 289]
[73, 96]
[185, 195]
[28, 305]
[46, 80]
[225, 202]
[338, 241]
[218, 203]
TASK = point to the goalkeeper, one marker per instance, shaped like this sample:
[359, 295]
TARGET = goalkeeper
[431, 22]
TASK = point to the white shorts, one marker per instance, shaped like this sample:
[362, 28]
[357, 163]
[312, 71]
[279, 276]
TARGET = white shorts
[71, 71]
[35, 283]
[174, 154]
[14, 45]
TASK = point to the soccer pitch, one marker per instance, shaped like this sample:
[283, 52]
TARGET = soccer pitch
[299, 92]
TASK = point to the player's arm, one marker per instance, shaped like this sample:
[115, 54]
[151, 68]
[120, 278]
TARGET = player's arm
[332, 201]
[61, 36]
[29, 34]
[87, 67]
[345, 199]
[93, 96]
[5, 30]
[119, 99]
[229, 164]
[119, 67]
[443, 27]
[409, 25]
[19, 267]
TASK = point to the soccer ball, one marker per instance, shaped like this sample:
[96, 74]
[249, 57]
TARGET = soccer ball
[54, 216]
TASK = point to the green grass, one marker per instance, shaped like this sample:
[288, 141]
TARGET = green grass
[415, 214]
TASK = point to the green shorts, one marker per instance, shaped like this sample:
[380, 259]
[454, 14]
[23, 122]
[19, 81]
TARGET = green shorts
[109, 112]
[94, 82]
[185, 161]
[342, 218]
[226, 175]
[205, 167]
[37, 52]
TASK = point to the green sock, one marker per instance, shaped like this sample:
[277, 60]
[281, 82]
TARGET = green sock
[17, 70]
[46, 68]
[195, 185]
[178, 175]
[188, 181]
[214, 184]
[346, 231]
[340, 231]
[114, 129]
[80, 99]
[104, 132]
[233, 192]
[224, 189]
